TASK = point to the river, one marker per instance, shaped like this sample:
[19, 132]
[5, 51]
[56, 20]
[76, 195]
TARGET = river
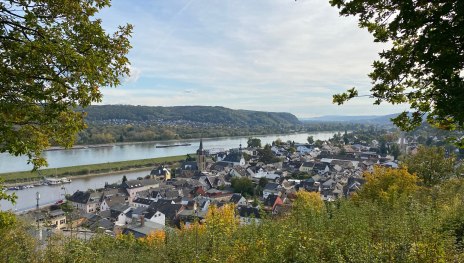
[123, 152]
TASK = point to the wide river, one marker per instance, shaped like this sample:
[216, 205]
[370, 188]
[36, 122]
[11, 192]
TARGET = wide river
[124, 152]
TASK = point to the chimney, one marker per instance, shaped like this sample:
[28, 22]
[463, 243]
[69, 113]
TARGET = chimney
[142, 220]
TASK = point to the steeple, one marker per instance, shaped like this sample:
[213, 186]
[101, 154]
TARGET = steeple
[200, 149]
[201, 158]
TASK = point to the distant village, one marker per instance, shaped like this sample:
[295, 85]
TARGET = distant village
[260, 182]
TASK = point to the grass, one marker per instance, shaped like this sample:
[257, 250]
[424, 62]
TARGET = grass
[101, 168]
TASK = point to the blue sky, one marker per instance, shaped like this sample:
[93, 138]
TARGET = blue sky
[269, 55]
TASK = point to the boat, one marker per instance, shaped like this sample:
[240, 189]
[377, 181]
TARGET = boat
[65, 180]
[53, 181]
[173, 145]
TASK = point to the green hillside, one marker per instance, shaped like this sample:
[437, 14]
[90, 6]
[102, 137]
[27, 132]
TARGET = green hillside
[200, 114]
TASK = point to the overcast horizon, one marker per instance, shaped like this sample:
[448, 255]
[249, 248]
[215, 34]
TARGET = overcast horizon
[279, 56]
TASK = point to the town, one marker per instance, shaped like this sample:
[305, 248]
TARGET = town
[261, 182]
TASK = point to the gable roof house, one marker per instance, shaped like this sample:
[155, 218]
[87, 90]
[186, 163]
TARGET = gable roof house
[142, 228]
[272, 189]
[353, 185]
[169, 210]
[121, 214]
[238, 199]
[234, 157]
[306, 167]
[248, 215]
[272, 201]
[111, 201]
[135, 186]
[141, 202]
[161, 172]
[89, 202]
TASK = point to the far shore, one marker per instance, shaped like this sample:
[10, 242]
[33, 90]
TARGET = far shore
[84, 146]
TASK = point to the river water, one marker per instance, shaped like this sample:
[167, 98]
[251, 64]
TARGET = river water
[63, 158]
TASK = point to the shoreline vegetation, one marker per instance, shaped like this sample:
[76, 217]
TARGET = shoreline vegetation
[103, 145]
[89, 170]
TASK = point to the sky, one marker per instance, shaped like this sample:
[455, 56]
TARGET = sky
[266, 55]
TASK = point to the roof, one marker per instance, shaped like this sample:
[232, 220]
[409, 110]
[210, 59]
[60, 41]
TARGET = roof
[140, 183]
[272, 186]
[56, 213]
[143, 201]
[84, 197]
[271, 200]
[233, 157]
[235, 198]
[115, 200]
[168, 209]
[142, 231]
[308, 164]
[244, 211]
[120, 207]
[102, 223]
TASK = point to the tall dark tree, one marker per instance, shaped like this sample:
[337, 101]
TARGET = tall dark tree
[425, 64]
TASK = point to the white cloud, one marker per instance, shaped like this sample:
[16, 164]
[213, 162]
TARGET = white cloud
[266, 55]
[134, 74]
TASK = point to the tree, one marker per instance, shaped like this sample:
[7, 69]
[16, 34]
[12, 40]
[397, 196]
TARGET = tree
[263, 182]
[242, 185]
[387, 184]
[424, 66]
[318, 143]
[395, 150]
[310, 139]
[254, 142]
[431, 165]
[55, 58]
[6, 217]
[266, 155]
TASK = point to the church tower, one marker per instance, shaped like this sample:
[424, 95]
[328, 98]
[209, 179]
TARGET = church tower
[201, 159]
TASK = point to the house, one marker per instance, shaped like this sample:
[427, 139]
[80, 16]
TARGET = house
[202, 203]
[271, 189]
[168, 210]
[303, 149]
[268, 175]
[321, 168]
[237, 171]
[134, 186]
[309, 185]
[111, 201]
[142, 202]
[238, 199]
[353, 185]
[235, 157]
[306, 167]
[88, 202]
[154, 215]
[57, 218]
[272, 201]
[121, 214]
[142, 228]
[248, 215]
[161, 172]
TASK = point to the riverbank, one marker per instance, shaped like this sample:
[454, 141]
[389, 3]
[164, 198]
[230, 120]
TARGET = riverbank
[83, 171]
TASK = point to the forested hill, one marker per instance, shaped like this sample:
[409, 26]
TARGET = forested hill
[199, 114]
